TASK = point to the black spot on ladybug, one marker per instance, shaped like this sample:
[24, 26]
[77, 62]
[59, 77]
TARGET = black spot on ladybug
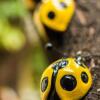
[44, 84]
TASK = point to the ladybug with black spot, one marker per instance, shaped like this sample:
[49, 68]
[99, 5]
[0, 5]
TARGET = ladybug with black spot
[66, 79]
[52, 18]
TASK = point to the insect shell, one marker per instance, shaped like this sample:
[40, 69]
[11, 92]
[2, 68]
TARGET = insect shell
[56, 14]
[65, 79]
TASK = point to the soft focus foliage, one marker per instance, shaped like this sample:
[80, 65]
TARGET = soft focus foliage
[21, 62]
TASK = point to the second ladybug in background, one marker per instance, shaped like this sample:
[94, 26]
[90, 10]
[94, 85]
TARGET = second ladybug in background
[56, 14]
[52, 17]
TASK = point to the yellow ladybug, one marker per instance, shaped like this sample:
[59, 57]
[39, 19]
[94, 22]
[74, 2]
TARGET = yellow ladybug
[56, 14]
[65, 79]
[53, 16]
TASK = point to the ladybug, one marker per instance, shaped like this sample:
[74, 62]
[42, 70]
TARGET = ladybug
[56, 14]
[51, 18]
[66, 79]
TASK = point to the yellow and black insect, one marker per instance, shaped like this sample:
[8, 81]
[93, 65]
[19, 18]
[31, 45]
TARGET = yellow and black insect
[53, 16]
[56, 14]
[66, 79]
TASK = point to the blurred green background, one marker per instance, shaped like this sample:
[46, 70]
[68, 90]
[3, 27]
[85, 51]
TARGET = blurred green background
[22, 58]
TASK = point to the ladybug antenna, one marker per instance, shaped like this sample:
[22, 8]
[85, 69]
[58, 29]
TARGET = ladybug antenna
[49, 46]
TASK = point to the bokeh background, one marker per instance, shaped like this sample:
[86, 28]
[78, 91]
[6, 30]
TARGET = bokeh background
[23, 54]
